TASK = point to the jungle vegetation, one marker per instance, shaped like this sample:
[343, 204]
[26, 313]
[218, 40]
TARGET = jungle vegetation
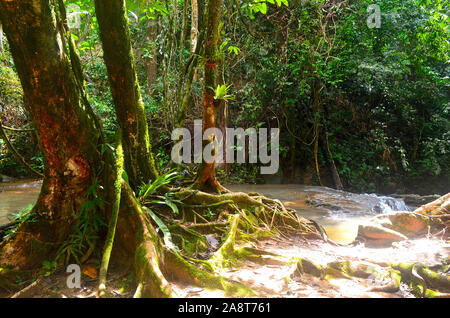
[90, 109]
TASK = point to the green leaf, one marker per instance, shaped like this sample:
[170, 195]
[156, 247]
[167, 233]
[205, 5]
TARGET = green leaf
[166, 233]
[263, 8]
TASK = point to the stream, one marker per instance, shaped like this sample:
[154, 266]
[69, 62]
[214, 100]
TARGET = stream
[15, 196]
[339, 212]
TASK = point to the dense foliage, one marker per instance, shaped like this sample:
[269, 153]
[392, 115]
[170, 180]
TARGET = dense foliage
[375, 100]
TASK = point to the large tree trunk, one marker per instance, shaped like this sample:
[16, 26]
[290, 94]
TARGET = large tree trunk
[206, 179]
[119, 60]
[136, 238]
[68, 140]
[67, 136]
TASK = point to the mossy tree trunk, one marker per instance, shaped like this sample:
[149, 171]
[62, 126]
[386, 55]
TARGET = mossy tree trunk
[136, 237]
[68, 139]
[206, 179]
[67, 136]
[194, 25]
[119, 60]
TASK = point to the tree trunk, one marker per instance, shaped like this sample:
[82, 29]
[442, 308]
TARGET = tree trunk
[222, 116]
[330, 162]
[68, 139]
[66, 134]
[119, 60]
[136, 238]
[206, 179]
[194, 25]
[152, 68]
[184, 25]
[326, 151]
[1, 38]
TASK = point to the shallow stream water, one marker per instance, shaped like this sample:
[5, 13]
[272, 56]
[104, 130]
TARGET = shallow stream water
[15, 196]
[339, 212]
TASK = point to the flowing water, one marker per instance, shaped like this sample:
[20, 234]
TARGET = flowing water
[339, 212]
[15, 196]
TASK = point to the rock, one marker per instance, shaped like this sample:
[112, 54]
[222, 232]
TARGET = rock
[439, 206]
[415, 199]
[387, 228]
[407, 223]
[4, 178]
[379, 232]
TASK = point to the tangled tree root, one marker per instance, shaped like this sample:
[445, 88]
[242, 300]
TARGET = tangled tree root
[423, 282]
[237, 217]
[9, 278]
[255, 210]
[243, 217]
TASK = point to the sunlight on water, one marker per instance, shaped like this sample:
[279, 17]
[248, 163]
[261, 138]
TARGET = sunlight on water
[15, 196]
[339, 212]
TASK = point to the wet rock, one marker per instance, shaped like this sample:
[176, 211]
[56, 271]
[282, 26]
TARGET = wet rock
[406, 223]
[399, 226]
[4, 178]
[385, 229]
[440, 206]
[415, 199]
[379, 232]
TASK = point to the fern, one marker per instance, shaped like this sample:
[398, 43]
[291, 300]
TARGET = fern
[162, 180]
[164, 229]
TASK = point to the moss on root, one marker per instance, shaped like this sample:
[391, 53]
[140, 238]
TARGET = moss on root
[10, 279]
[237, 216]
[422, 281]
[179, 268]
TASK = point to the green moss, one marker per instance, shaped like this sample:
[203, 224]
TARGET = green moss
[308, 267]
[206, 279]
[190, 241]
[11, 279]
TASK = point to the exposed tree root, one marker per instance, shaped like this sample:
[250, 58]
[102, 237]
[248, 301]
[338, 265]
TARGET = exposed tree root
[249, 217]
[112, 221]
[25, 292]
[422, 281]
[221, 256]
[150, 280]
[255, 209]
[393, 286]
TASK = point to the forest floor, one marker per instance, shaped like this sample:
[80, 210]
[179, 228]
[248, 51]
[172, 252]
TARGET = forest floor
[273, 277]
